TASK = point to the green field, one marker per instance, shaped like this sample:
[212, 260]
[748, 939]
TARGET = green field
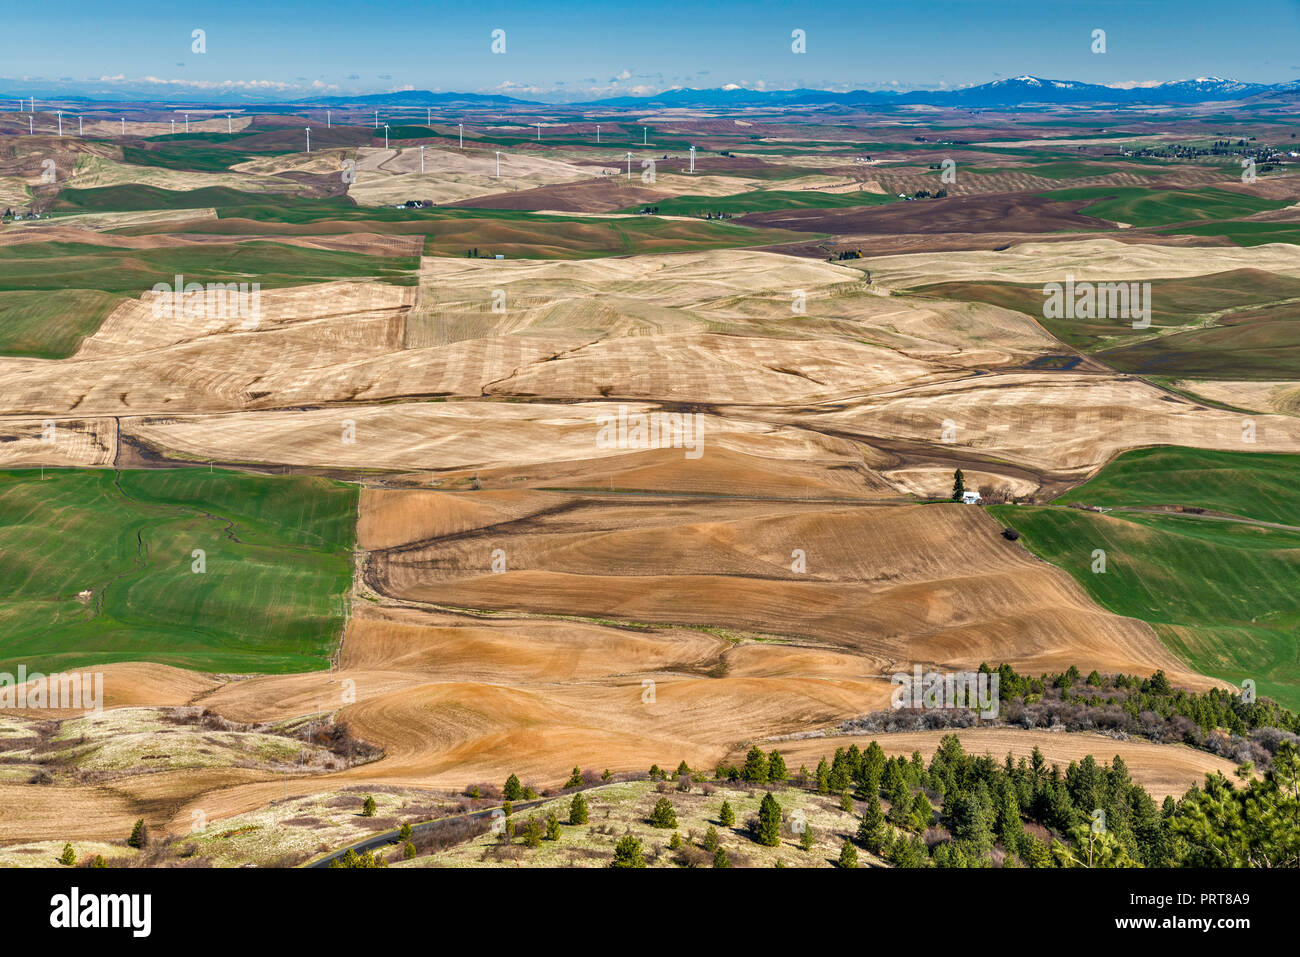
[1245, 234]
[32, 266]
[50, 324]
[1155, 207]
[278, 563]
[196, 157]
[561, 237]
[1258, 485]
[1223, 595]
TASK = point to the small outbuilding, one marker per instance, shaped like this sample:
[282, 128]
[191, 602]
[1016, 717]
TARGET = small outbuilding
[970, 498]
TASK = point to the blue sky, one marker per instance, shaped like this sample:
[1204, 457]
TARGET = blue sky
[576, 49]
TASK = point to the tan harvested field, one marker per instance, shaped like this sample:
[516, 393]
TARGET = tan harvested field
[95, 171]
[61, 228]
[393, 176]
[217, 124]
[1163, 769]
[1279, 397]
[1070, 423]
[1103, 260]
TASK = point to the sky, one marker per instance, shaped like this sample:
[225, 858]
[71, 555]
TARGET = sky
[564, 50]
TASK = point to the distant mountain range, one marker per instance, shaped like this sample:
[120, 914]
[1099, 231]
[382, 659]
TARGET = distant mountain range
[1018, 92]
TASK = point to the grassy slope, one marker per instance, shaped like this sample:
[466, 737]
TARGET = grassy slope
[278, 556]
[1258, 485]
[1138, 206]
[32, 266]
[50, 324]
[618, 808]
[1222, 595]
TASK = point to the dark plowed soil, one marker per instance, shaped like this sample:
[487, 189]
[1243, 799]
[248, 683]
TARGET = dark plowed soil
[1003, 212]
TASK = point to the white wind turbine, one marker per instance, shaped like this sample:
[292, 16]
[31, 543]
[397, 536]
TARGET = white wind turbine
[60, 115]
[81, 130]
[692, 159]
[598, 133]
[421, 159]
[376, 119]
[173, 126]
[539, 131]
[329, 120]
[498, 164]
[629, 164]
[187, 122]
[230, 124]
[461, 126]
[308, 129]
[385, 136]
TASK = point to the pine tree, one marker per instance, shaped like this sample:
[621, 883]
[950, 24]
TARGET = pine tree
[846, 801]
[578, 809]
[575, 779]
[69, 857]
[532, 832]
[922, 812]
[711, 839]
[807, 839]
[408, 851]
[513, 790]
[871, 832]
[848, 854]
[139, 835]
[552, 827]
[769, 821]
[627, 853]
[405, 833]
[368, 807]
[726, 815]
[720, 858]
[755, 770]
[776, 771]
[663, 814]
[900, 803]
[675, 841]
[823, 777]
[98, 861]
[958, 485]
